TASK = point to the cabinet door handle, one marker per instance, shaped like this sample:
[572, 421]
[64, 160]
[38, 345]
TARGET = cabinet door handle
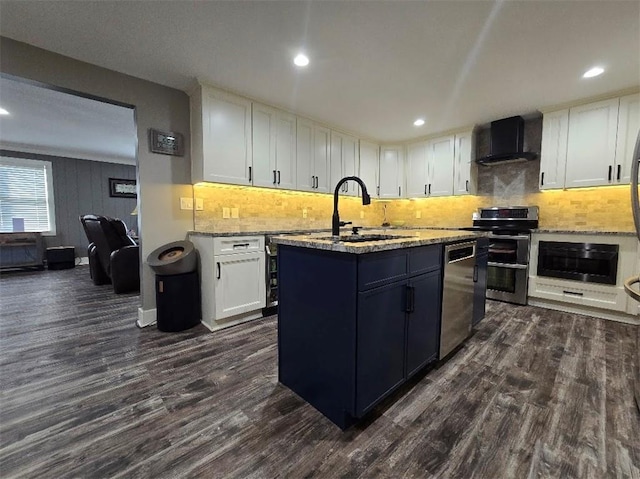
[399, 190]
[218, 266]
[346, 187]
[274, 177]
[316, 182]
[573, 293]
[475, 273]
[313, 182]
[378, 189]
[610, 171]
[278, 176]
[425, 189]
[429, 189]
[542, 179]
[619, 172]
[407, 308]
[249, 174]
[466, 185]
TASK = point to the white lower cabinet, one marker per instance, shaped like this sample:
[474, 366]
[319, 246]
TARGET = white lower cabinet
[232, 278]
[593, 299]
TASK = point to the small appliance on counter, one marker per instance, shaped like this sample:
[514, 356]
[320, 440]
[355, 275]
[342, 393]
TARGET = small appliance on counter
[509, 230]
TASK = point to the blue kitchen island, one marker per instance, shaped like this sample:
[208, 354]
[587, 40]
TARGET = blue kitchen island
[358, 318]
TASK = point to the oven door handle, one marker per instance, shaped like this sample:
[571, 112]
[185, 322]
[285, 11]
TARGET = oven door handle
[507, 265]
[508, 237]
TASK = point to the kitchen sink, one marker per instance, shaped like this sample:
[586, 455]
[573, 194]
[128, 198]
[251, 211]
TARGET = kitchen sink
[360, 238]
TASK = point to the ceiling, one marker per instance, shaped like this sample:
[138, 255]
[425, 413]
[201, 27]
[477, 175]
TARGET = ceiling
[375, 66]
[51, 122]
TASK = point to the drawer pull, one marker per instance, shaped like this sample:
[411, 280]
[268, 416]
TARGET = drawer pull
[241, 245]
[573, 293]
[218, 275]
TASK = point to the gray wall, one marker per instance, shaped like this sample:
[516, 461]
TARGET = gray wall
[82, 187]
[162, 179]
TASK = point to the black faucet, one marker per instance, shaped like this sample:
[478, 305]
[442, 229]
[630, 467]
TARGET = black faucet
[366, 200]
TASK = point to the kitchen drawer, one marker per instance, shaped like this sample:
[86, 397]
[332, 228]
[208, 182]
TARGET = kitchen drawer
[424, 259]
[237, 244]
[376, 269]
[603, 297]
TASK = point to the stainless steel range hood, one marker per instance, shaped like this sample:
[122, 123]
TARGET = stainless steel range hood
[507, 139]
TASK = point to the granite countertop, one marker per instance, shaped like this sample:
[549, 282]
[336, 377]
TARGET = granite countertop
[258, 232]
[584, 232]
[404, 238]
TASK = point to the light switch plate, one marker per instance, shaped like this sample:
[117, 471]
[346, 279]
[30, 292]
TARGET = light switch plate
[186, 203]
[226, 214]
[199, 204]
[235, 212]
[418, 214]
[304, 213]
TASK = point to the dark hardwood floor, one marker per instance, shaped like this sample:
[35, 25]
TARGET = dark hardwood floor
[85, 393]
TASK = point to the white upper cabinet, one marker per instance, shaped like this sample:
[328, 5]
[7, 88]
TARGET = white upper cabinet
[221, 137]
[391, 171]
[274, 147]
[369, 166]
[464, 167]
[344, 162]
[312, 159]
[591, 145]
[440, 166]
[417, 170]
[553, 155]
[628, 128]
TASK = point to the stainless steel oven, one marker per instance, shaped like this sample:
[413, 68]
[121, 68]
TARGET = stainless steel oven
[588, 262]
[508, 266]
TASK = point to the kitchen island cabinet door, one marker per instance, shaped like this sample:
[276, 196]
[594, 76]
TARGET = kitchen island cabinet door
[380, 343]
[423, 324]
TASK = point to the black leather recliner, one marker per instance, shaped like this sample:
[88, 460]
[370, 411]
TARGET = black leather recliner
[113, 255]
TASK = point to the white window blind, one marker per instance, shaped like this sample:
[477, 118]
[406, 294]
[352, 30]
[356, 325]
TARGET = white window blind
[26, 191]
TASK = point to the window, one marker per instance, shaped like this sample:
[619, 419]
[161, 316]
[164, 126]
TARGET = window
[26, 192]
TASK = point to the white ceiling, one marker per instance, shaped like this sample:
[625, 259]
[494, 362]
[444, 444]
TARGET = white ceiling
[51, 122]
[375, 66]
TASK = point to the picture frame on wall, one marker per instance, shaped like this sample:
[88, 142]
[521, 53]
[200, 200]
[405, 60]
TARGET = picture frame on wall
[166, 142]
[122, 188]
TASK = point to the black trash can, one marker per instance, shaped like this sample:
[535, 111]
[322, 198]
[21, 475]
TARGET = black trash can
[177, 286]
[178, 301]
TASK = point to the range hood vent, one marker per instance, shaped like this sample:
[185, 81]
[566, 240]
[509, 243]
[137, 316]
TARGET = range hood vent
[507, 138]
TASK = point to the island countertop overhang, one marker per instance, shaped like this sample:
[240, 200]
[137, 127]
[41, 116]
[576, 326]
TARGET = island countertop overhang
[406, 238]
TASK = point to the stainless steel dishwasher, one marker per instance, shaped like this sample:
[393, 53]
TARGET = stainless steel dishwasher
[457, 295]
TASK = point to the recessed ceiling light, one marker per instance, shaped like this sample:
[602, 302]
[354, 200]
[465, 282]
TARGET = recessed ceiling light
[419, 122]
[3, 111]
[593, 72]
[301, 60]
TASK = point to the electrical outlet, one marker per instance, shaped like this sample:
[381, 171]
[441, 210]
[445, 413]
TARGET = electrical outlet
[235, 212]
[361, 214]
[186, 203]
[199, 204]
[304, 213]
[418, 214]
[226, 214]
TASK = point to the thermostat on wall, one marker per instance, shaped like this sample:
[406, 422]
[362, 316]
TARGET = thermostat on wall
[166, 142]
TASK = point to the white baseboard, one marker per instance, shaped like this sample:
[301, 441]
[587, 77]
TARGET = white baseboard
[573, 308]
[146, 317]
[212, 325]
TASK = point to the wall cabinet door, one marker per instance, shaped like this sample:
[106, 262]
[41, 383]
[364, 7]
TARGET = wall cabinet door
[369, 164]
[226, 138]
[628, 128]
[305, 176]
[286, 150]
[322, 159]
[553, 155]
[391, 171]
[440, 161]
[350, 163]
[591, 144]
[239, 284]
[337, 172]
[423, 323]
[464, 164]
[263, 122]
[417, 170]
[380, 343]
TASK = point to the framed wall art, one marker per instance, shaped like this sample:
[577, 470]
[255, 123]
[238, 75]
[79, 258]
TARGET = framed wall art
[121, 188]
